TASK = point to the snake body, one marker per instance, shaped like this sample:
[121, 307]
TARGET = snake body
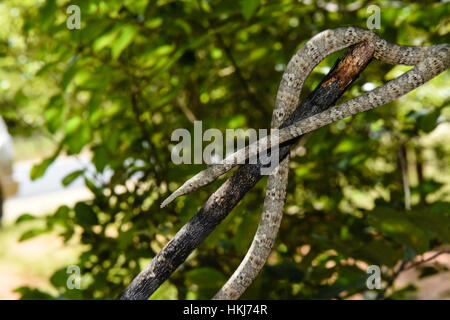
[429, 61]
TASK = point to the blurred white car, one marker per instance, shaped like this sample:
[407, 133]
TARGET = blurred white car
[8, 187]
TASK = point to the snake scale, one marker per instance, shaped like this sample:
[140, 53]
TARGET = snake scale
[428, 62]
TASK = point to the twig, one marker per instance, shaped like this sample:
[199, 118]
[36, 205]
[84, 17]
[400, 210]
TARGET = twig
[144, 132]
[391, 281]
[418, 263]
[402, 159]
[186, 111]
[403, 267]
[251, 96]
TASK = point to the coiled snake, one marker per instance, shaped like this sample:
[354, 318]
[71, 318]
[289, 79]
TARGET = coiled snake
[428, 62]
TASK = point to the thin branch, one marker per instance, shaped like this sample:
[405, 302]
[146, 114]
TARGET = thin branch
[419, 169]
[251, 96]
[403, 267]
[403, 162]
[420, 262]
[144, 131]
[401, 156]
[185, 109]
[391, 281]
[1, 205]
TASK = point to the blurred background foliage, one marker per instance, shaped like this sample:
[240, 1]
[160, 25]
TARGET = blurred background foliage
[137, 70]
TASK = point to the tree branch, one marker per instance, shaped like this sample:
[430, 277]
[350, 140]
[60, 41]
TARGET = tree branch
[221, 202]
[145, 134]
[403, 163]
[404, 266]
[422, 261]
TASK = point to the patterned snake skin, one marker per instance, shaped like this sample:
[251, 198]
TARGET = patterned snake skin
[429, 61]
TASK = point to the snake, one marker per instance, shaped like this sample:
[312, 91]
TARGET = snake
[428, 62]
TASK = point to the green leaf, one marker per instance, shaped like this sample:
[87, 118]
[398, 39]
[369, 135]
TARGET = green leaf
[428, 122]
[25, 217]
[91, 186]
[249, 7]
[245, 232]
[100, 158]
[379, 252]
[54, 113]
[71, 177]
[164, 50]
[44, 69]
[399, 226]
[38, 170]
[435, 223]
[207, 279]
[78, 139]
[73, 124]
[62, 212]
[344, 163]
[68, 76]
[166, 291]
[406, 293]
[440, 207]
[84, 214]
[27, 293]
[47, 12]
[205, 276]
[349, 279]
[257, 54]
[105, 40]
[62, 218]
[238, 121]
[286, 270]
[154, 23]
[59, 278]
[125, 38]
[32, 233]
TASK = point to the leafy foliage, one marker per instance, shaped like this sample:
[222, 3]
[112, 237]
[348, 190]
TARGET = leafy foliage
[137, 70]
